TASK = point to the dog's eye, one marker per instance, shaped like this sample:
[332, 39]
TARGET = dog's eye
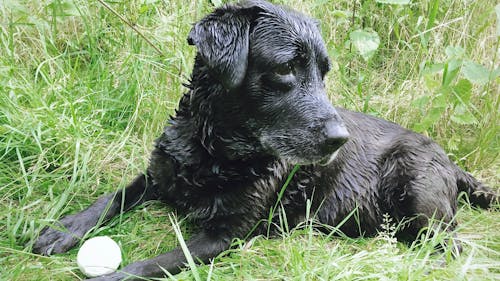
[284, 69]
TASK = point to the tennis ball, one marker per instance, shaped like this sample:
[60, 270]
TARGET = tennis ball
[99, 256]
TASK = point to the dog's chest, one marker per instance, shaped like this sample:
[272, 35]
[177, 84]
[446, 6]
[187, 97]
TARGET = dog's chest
[227, 197]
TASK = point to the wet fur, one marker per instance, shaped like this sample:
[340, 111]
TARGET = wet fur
[244, 123]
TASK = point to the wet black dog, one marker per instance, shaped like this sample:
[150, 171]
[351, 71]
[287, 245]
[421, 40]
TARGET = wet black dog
[256, 106]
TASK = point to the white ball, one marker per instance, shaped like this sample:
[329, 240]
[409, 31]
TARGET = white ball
[99, 256]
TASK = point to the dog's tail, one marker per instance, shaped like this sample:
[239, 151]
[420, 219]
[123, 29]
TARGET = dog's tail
[478, 193]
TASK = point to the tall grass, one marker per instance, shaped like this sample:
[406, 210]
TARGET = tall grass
[83, 95]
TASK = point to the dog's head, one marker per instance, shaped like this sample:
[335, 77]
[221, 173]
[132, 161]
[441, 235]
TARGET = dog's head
[271, 61]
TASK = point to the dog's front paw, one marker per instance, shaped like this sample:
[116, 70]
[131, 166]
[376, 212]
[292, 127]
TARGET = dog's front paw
[55, 241]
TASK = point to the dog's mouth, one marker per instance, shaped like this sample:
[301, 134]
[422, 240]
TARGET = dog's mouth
[322, 161]
[303, 150]
[308, 157]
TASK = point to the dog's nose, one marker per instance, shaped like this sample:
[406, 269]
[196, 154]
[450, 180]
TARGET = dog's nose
[336, 135]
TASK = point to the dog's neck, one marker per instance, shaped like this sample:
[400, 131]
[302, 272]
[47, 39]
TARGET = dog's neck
[201, 122]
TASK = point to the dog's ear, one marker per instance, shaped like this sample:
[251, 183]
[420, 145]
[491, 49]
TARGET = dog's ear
[222, 42]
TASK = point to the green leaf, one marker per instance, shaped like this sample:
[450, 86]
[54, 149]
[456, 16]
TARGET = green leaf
[431, 83]
[450, 72]
[430, 118]
[419, 127]
[454, 52]
[440, 100]
[339, 14]
[366, 42]
[421, 102]
[434, 114]
[475, 73]
[432, 68]
[454, 64]
[462, 115]
[463, 90]
[397, 2]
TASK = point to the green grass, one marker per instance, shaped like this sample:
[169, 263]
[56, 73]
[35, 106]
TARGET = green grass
[83, 96]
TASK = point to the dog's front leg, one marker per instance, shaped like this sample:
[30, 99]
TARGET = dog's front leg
[202, 248]
[72, 228]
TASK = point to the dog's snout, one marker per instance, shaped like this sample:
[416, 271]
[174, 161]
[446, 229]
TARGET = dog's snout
[336, 135]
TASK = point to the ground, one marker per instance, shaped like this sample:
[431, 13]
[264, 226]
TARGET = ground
[83, 95]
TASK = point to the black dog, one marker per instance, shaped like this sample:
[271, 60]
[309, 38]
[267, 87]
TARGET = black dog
[257, 106]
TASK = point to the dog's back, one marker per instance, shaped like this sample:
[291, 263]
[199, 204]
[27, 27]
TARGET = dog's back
[385, 169]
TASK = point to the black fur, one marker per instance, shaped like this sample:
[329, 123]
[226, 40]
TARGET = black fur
[257, 106]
